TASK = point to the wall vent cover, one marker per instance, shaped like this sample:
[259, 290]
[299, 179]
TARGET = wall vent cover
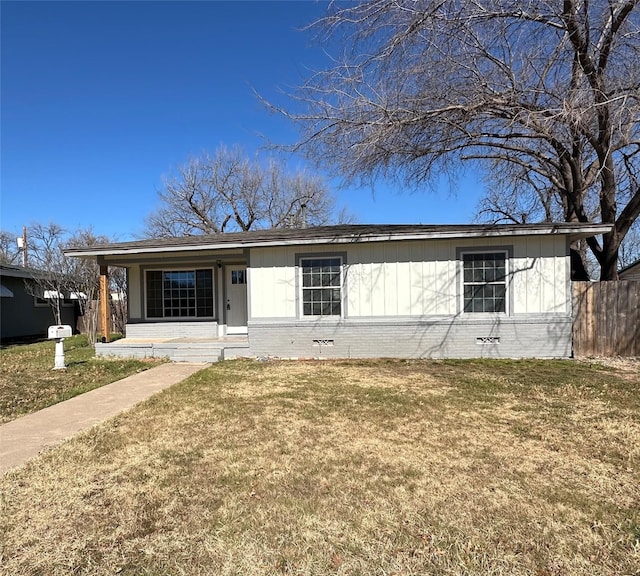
[488, 340]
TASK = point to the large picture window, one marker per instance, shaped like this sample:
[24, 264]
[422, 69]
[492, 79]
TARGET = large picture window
[180, 293]
[485, 282]
[321, 286]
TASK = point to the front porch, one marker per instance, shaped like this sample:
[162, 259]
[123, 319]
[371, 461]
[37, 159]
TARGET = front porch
[178, 349]
[182, 311]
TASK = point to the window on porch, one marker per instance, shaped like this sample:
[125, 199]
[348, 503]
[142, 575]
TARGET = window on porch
[179, 293]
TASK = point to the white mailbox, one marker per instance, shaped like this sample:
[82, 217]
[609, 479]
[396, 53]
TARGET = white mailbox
[63, 331]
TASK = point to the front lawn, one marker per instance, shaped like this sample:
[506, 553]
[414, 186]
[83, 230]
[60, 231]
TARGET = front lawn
[29, 383]
[345, 467]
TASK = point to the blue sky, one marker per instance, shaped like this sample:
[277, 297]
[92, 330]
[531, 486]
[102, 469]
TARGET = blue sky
[101, 99]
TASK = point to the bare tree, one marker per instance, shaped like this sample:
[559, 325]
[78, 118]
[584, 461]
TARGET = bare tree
[50, 278]
[56, 277]
[630, 249]
[542, 95]
[83, 278]
[528, 199]
[229, 192]
[9, 251]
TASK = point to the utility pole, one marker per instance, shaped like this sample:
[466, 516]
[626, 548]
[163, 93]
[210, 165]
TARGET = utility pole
[22, 245]
[25, 251]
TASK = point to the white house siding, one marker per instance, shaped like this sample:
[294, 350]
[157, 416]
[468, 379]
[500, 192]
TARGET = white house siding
[271, 289]
[399, 279]
[403, 299]
[417, 279]
[541, 276]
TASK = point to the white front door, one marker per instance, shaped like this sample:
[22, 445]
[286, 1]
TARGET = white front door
[236, 304]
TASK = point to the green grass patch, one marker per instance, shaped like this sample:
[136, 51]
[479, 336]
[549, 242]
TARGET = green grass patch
[28, 381]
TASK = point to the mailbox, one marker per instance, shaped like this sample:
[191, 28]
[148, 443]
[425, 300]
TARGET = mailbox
[63, 331]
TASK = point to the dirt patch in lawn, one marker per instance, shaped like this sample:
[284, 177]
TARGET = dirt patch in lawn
[377, 467]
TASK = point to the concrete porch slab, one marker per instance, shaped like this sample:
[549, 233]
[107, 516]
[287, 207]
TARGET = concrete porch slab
[181, 349]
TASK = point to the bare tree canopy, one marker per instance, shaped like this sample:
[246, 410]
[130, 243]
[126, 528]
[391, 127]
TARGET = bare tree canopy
[9, 251]
[56, 277]
[229, 192]
[61, 276]
[543, 95]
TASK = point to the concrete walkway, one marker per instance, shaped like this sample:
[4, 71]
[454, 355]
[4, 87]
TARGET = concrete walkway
[25, 437]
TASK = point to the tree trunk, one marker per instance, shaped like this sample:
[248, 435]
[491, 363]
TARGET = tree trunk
[578, 270]
[609, 261]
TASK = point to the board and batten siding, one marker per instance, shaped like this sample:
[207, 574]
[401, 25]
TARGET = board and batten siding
[414, 278]
[541, 275]
[134, 300]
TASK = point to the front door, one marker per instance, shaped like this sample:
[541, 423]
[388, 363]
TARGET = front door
[236, 304]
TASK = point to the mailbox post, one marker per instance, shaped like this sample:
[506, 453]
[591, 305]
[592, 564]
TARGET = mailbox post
[59, 333]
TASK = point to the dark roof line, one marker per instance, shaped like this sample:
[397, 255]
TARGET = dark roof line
[341, 232]
[17, 271]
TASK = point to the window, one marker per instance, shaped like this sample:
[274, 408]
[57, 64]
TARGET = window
[180, 294]
[238, 276]
[484, 282]
[321, 282]
[49, 298]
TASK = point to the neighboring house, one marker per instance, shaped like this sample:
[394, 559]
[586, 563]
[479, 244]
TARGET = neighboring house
[353, 291]
[631, 272]
[22, 314]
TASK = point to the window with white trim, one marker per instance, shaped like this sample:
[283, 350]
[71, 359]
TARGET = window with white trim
[179, 293]
[49, 298]
[484, 282]
[321, 286]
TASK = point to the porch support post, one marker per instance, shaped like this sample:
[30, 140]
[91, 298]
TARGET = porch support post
[104, 303]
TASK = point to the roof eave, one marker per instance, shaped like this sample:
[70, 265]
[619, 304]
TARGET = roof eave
[632, 268]
[586, 231]
[22, 273]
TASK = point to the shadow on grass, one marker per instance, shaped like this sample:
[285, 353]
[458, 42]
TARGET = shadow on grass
[75, 363]
[6, 343]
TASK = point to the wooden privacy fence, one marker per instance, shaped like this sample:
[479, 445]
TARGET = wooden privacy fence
[606, 318]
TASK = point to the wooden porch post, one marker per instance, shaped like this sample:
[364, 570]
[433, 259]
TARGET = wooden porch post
[104, 303]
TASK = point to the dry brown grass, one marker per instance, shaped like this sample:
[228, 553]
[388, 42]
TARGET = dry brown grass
[356, 468]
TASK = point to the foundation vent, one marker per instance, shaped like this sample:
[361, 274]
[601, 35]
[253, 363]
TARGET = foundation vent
[488, 340]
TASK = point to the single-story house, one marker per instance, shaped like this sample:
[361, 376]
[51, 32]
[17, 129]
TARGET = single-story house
[24, 314]
[630, 272]
[351, 291]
